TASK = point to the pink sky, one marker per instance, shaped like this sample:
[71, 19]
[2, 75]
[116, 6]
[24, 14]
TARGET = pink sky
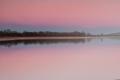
[85, 12]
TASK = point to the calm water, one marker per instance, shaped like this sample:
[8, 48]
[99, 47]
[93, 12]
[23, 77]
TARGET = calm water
[93, 59]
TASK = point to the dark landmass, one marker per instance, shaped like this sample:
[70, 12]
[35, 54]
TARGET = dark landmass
[10, 38]
[9, 33]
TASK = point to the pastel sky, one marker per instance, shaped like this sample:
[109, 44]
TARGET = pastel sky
[90, 13]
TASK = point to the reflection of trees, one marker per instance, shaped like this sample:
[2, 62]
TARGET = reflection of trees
[41, 42]
[9, 33]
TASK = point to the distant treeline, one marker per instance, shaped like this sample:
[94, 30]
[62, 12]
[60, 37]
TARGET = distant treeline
[11, 33]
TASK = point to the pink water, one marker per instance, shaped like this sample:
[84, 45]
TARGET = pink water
[61, 62]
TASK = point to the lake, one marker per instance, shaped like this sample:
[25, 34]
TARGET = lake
[82, 59]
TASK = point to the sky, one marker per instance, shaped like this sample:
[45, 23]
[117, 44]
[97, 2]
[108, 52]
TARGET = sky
[92, 14]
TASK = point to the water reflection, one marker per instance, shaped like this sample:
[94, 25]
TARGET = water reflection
[75, 62]
[60, 62]
[43, 41]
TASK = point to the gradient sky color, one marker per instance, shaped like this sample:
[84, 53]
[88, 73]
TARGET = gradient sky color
[90, 13]
[56, 11]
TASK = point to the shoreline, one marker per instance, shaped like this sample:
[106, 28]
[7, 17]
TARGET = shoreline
[42, 38]
[52, 38]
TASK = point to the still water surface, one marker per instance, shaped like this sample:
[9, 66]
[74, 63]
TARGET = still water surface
[96, 59]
